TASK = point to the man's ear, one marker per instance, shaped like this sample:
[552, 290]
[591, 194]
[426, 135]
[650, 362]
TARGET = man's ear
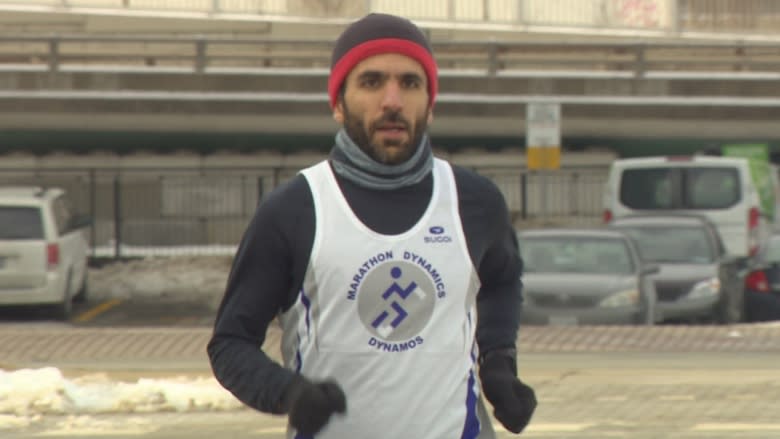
[338, 111]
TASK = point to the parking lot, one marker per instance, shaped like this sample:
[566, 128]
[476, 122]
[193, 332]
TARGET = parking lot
[154, 320]
[681, 381]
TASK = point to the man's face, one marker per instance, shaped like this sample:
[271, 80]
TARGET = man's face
[384, 107]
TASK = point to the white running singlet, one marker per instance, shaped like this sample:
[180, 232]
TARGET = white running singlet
[390, 318]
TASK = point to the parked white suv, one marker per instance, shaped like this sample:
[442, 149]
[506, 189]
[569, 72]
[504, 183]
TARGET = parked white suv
[43, 249]
[722, 189]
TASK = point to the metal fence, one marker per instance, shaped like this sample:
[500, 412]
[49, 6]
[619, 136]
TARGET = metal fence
[207, 55]
[749, 16]
[197, 211]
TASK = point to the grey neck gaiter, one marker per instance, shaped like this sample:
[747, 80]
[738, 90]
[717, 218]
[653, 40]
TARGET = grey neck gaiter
[350, 162]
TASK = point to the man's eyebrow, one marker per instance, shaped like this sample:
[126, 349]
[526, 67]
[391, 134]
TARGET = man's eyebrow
[381, 74]
[371, 73]
[412, 75]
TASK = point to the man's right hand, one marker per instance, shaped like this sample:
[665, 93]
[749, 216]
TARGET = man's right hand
[312, 405]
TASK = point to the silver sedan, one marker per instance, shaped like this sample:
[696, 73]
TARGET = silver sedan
[584, 276]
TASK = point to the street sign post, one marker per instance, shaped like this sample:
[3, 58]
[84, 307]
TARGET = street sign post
[543, 135]
[543, 142]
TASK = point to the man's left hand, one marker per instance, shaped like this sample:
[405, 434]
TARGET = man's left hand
[513, 401]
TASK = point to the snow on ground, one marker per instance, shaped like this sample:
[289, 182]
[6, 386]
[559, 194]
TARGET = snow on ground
[28, 394]
[165, 277]
[45, 391]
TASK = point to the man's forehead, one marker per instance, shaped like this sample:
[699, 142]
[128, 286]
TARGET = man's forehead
[390, 63]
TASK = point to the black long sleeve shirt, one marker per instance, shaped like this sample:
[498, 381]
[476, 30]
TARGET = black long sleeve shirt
[272, 258]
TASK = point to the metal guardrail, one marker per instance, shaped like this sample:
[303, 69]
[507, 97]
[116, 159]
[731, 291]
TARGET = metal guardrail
[676, 16]
[204, 55]
[442, 98]
[195, 211]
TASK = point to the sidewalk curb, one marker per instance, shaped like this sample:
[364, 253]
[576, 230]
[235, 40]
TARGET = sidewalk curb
[184, 348]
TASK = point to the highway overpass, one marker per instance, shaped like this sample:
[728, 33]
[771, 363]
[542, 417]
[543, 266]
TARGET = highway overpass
[214, 91]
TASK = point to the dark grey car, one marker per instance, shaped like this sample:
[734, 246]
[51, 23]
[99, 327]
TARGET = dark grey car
[584, 276]
[697, 278]
[762, 284]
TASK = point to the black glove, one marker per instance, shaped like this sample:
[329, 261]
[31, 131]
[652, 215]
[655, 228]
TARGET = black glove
[312, 404]
[513, 401]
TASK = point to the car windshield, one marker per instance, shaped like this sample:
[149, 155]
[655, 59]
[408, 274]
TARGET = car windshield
[672, 244]
[680, 188]
[572, 254]
[20, 223]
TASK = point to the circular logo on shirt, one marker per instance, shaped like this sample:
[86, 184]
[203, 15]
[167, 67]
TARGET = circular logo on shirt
[396, 300]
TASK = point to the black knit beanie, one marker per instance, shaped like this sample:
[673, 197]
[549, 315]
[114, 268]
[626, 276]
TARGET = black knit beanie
[375, 34]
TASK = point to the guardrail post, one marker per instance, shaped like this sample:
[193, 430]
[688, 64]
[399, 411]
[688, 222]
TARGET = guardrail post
[493, 58]
[54, 55]
[200, 55]
[215, 6]
[640, 64]
[451, 10]
[743, 61]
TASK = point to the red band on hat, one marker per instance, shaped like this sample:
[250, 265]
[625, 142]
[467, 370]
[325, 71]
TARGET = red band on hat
[362, 51]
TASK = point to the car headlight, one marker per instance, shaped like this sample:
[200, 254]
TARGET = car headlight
[706, 288]
[621, 298]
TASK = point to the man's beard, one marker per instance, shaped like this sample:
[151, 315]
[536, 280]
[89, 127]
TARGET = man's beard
[362, 137]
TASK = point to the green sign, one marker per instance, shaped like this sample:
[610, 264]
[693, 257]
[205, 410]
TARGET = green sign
[758, 159]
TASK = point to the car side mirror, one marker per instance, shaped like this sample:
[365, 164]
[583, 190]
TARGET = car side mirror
[650, 269]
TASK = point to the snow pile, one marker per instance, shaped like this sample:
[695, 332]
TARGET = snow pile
[193, 277]
[45, 391]
[26, 395]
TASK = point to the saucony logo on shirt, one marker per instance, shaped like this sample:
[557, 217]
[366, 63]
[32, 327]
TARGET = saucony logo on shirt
[437, 236]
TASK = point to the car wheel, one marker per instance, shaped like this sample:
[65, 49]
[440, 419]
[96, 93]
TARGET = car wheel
[83, 293]
[64, 309]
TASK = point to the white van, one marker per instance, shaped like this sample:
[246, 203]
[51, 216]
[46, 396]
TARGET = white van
[720, 188]
[43, 249]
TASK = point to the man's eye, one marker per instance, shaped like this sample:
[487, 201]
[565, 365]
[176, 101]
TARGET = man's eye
[411, 83]
[369, 82]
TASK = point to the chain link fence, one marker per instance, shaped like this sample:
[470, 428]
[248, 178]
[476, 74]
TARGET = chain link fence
[198, 211]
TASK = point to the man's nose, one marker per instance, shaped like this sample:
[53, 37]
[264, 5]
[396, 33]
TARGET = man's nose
[392, 99]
